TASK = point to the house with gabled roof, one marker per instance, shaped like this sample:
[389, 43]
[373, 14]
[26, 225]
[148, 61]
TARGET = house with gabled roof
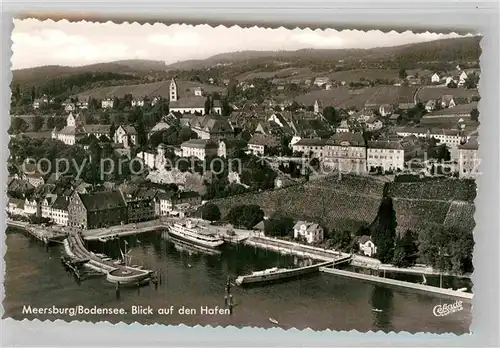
[310, 231]
[97, 209]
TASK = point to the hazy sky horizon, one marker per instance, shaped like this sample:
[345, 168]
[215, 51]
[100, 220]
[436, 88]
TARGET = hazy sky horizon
[82, 43]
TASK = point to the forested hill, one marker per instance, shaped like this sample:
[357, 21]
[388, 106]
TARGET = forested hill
[459, 49]
[39, 75]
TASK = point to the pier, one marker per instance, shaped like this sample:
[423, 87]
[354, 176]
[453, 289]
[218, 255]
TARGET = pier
[115, 271]
[286, 247]
[388, 281]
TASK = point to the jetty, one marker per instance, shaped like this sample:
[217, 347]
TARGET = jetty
[291, 248]
[394, 282]
[115, 271]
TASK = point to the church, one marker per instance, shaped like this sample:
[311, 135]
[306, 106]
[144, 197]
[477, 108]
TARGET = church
[76, 129]
[190, 103]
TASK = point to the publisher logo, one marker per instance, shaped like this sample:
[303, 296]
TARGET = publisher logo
[446, 309]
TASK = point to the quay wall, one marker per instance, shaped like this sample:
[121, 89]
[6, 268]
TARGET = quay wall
[287, 247]
[426, 288]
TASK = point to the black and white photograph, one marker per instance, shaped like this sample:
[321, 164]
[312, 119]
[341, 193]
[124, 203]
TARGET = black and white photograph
[246, 177]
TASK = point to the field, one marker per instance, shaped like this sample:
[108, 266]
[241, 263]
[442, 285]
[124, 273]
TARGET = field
[419, 214]
[429, 92]
[286, 73]
[147, 90]
[368, 74]
[344, 97]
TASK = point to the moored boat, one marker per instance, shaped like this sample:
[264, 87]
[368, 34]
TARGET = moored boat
[195, 234]
[275, 273]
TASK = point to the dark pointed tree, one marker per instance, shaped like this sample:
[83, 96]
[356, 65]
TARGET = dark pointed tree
[383, 230]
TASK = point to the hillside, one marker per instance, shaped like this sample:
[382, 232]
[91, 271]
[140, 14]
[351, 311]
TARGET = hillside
[462, 49]
[37, 75]
[354, 201]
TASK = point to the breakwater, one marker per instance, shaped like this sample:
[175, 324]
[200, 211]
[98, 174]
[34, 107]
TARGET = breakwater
[388, 281]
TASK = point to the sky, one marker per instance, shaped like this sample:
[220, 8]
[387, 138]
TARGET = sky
[38, 43]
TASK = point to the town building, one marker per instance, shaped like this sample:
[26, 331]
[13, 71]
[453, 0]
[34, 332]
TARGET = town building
[156, 159]
[230, 147]
[59, 213]
[15, 206]
[320, 81]
[343, 127]
[310, 231]
[260, 144]
[199, 148]
[107, 103]
[211, 127]
[318, 107]
[97, 209]
[468, 159]
[137, 102]
[126, 135]
[140, 202]
[76, 129]
[38, 103]
[388, 155]
[167, 202]
[385, 110]
[310, 147]
[373, 124]
[194, 103]
[345, 152]
[435, 78]
[366, 246]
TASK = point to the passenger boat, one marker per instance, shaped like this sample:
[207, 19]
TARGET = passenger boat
[275, 273]
[192, 233]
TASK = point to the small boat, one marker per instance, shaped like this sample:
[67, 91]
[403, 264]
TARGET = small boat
[377, 310]
[424, 281]
[462, 289]
[189, 265]
[274, 321]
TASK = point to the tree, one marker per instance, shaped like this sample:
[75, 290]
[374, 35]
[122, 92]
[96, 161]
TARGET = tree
[104, 119]
[447, 249]
[208, 106]
[383, 230]
[51, 123]
[209, 211]
[246, 216]
[402, 73]
[279, 226]
[112, 130]
[474, 115]
[33, 94]
[331, 115]
[38, 122]
[341, 240]
[405, 250]
[452, 84]
[18, 125]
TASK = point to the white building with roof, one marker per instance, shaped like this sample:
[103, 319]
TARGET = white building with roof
[310, 231]
[468, 159]
[388, 155]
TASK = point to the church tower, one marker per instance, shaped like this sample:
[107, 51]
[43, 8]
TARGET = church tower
[173, 90]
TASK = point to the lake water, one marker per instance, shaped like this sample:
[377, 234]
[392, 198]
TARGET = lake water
[193, 279]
